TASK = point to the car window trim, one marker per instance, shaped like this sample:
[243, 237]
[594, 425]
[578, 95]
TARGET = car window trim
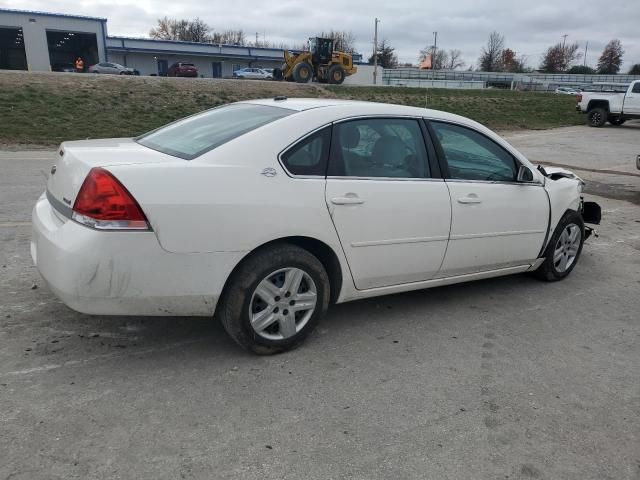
[300, 140]
[442, 159]
[418, 119]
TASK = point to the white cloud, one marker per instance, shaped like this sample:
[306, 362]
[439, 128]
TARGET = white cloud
[529, 27]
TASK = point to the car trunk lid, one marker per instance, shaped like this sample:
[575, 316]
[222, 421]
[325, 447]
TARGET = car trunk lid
[74, 160]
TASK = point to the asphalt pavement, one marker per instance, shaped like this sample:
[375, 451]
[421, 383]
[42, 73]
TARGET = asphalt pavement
[509, 378]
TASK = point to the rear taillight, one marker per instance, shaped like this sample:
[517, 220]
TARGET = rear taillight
[104, 203]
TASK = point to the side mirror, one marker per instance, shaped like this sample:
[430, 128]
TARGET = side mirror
[524, 175]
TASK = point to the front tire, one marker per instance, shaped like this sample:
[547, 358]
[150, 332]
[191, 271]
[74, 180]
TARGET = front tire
[564, 248]
[336, 75]
[597, 117]
[274, 300]
[302, 73]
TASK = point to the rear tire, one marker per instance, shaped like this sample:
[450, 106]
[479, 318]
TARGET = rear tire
[597, 117]
[302, 73]
[564, 248]
[336, 75]
[263, 304]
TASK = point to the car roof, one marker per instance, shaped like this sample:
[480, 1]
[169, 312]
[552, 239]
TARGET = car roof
[348, 108]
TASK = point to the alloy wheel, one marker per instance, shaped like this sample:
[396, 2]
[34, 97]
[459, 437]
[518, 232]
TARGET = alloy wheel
[282, 304]
[567, 248]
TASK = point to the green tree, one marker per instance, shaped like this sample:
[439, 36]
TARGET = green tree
[387, 57]
[611, 58]
[581, 69]
[635, 69]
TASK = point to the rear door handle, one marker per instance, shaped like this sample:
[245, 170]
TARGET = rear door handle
[471, 198]
[348, 199]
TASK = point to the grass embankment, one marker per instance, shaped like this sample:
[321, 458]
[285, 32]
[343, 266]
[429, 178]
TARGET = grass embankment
[45, 109]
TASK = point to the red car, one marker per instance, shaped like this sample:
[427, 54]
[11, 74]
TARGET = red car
[181, 69]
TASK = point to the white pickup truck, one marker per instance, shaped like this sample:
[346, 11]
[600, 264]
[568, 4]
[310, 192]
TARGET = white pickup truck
[614, 107]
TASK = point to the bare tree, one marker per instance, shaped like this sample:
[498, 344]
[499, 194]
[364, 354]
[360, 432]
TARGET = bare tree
[185, 30]
[439, 61]
[343, 41]
[611, 58]
[198, 31]
[229, 37]
[455, 60]
[491, 58]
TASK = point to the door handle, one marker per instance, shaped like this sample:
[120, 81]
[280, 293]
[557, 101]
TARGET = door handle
[471, 198]
[348, 199]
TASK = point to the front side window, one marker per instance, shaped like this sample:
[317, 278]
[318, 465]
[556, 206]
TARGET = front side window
[472, 156]
[379, 147]
[195, 135]
[309, 156]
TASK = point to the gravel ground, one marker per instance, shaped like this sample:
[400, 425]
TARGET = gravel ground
[507, 378]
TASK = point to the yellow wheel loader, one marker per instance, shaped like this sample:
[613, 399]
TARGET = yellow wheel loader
[321, 63]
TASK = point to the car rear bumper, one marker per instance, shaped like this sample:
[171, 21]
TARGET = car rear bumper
[123, 273]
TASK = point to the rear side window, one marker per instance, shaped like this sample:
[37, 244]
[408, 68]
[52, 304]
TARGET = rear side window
[192, 136]
[636, 88]
[310, 155]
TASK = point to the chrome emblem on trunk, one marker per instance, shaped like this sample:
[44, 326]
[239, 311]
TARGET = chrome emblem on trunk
[269, 172]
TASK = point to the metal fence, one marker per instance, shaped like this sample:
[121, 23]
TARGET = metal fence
[525, 81]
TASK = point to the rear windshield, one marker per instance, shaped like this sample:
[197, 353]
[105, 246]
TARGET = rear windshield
[192, 136]
[187, 64]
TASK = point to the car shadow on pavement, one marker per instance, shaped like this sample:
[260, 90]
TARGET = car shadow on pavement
[61, 337]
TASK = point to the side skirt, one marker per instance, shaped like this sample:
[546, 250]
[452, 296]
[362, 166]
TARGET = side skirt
[469, 277]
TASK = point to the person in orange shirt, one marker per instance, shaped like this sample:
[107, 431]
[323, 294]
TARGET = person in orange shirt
[79, 65]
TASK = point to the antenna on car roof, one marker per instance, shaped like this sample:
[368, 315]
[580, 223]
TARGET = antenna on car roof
[279, 98]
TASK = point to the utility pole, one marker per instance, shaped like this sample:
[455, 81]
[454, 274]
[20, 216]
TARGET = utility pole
[375, 53]
[564, 52]
[586, 49]
[256, 39]
[435, 48]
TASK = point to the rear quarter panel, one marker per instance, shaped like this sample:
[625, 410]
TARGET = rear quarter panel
[221, 201]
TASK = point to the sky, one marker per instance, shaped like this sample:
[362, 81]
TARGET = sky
[529, 26]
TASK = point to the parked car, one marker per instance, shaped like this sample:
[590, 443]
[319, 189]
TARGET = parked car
[252, 73]
[265, 212]
[614, 107]
[566, 90]
[182, 69]
[63, 67]
[111, 68]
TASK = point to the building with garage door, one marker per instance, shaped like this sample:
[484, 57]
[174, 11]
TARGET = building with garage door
[41, 41]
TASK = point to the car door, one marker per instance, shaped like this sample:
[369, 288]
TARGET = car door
[390, 208]
[632, 100]
[496, 222]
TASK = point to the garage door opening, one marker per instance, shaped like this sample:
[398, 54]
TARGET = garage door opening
[12, 55]
[65, 47]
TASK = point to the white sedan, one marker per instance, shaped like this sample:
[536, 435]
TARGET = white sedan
[253, 73]
[263, 213]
